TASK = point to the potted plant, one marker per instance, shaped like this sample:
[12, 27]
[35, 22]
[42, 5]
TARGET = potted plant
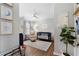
[67, 37]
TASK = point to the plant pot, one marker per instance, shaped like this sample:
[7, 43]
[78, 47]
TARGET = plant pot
[66, 54]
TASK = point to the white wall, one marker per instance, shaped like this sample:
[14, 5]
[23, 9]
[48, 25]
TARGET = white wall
[48, 14]
[10, 42]
[27, 9]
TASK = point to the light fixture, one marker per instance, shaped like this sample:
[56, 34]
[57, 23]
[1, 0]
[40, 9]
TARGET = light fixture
[35, 14]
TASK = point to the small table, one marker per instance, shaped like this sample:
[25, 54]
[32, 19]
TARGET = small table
[39, 48]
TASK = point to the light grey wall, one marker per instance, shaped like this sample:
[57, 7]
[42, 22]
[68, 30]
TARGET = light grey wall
[10, 42]
[58, 10]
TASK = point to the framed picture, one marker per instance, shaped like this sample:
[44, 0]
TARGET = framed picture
[77, 25]
[6, 13]
[6, 27]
